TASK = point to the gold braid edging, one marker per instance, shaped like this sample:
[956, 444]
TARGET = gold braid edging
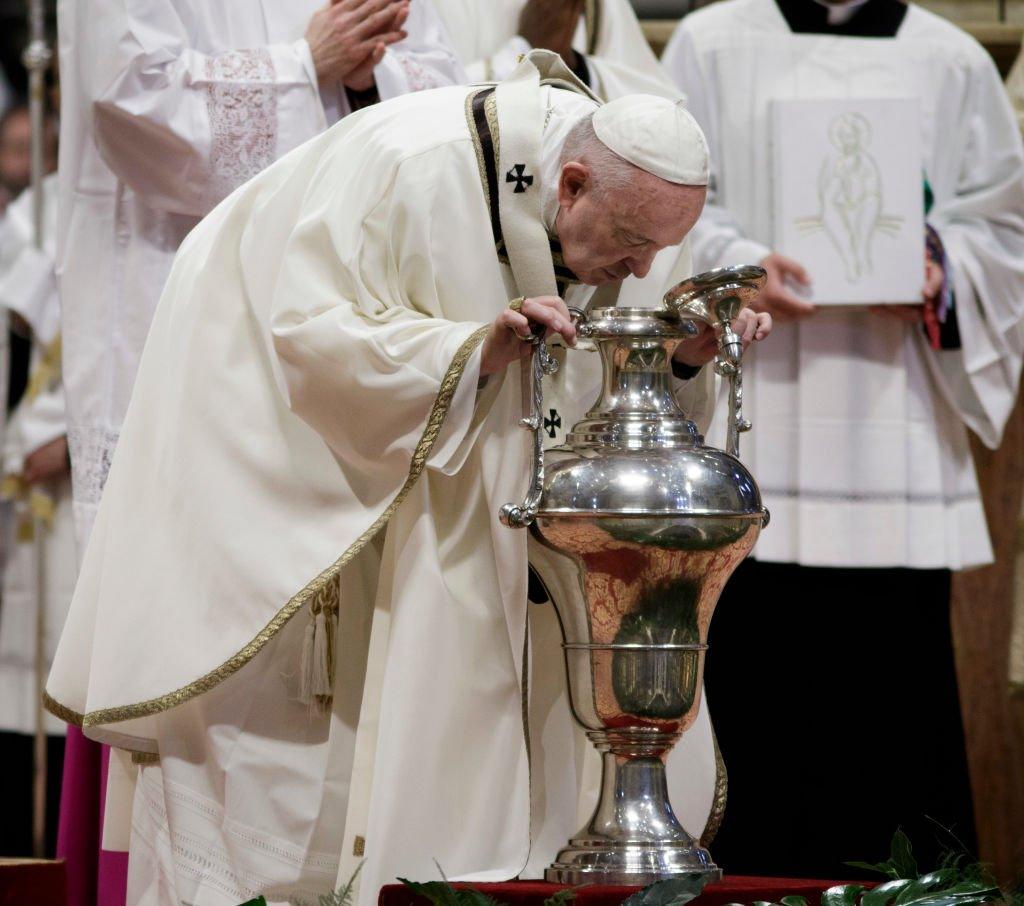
[435, 420]
[592, 18]
[60, 712]
[721, 796]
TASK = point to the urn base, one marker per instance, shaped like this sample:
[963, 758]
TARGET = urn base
[592, 862]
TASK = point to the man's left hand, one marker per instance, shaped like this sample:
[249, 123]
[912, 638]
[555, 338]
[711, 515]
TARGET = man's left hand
[914, 314]
[749, 325]
[49, 461]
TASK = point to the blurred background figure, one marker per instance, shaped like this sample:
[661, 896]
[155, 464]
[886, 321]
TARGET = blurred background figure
[15, 135]
[36, 494]
[600, 40]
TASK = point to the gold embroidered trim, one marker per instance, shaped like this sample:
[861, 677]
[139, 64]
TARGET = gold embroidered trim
[491, 114]
[145, 758]
[721, 796]
[59, 711]
[438, 412]
[479, 149]
[592, 18]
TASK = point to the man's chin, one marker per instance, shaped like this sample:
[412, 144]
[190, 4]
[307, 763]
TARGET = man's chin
[597, 278]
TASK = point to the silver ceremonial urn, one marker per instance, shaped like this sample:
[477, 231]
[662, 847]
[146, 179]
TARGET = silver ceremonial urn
[641, 524]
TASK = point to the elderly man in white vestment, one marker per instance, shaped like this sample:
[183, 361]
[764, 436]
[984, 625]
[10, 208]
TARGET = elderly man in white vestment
[303, 506]
[861, 447]
[603, 43]
[167, 107]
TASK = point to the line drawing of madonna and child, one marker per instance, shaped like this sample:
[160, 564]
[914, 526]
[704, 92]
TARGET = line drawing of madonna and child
[851, 197]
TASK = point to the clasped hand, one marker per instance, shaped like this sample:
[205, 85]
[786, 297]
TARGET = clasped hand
[510, 336]
[348, 38]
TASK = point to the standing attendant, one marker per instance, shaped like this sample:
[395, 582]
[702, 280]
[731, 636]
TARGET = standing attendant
[832, 678]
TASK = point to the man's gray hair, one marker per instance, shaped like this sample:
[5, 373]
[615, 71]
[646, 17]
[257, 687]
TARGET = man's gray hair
[609, 172]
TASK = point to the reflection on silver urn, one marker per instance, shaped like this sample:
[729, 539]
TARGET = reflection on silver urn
[641, 526]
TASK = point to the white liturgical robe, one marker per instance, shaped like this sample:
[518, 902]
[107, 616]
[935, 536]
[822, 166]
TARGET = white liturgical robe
[167, 107]
[308, 415]
[860, 440]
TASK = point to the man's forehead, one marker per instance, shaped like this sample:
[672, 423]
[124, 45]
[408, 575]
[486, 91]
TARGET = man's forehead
[662, 215]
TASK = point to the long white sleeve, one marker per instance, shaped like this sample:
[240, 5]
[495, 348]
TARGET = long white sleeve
[982, 228]
[212, 119]
[423, 60]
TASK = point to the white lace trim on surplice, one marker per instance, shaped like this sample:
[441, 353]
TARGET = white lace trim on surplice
[206, 845]
[92, 450]
[420, 78]
[241, 102]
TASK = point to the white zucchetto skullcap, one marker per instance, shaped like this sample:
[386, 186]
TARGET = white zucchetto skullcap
[657, 135]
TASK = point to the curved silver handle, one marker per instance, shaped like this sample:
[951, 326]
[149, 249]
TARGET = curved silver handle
[716, 297]
[541, 363]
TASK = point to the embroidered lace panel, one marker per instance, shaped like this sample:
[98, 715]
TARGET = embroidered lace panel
[241, 102]
[420, 78]
[92, 450]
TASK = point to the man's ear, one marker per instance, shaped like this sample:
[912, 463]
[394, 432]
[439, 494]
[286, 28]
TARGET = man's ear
[572, 183]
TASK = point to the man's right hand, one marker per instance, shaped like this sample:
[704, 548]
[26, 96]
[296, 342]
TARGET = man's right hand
[551, 24]
[343, 34]
[510, 338]
[777, 298]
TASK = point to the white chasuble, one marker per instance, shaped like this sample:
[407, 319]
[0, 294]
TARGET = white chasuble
[167, 107]
[860, 443]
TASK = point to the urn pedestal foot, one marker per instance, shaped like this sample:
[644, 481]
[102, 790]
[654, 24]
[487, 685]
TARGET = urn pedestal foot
[634, 838]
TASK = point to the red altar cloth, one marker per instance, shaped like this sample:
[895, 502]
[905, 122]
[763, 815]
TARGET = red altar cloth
[732, 889]
[36, 881]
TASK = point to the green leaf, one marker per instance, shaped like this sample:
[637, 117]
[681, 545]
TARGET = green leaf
[884, 893]
[793, 901]
[343, 895]
[843, 895]
[259, 901]
[561, 898]
[902, 856]
[440, 893]
[672, 892]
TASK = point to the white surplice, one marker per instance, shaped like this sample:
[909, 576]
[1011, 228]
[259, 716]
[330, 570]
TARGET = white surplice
[167, 107]
[860, 428]
[28, 288]
[315, 330]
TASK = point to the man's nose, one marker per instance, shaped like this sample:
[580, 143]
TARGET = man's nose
[640, 265]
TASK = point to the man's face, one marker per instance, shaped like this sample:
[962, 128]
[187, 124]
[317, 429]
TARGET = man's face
[15, 153]
[608, 236]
